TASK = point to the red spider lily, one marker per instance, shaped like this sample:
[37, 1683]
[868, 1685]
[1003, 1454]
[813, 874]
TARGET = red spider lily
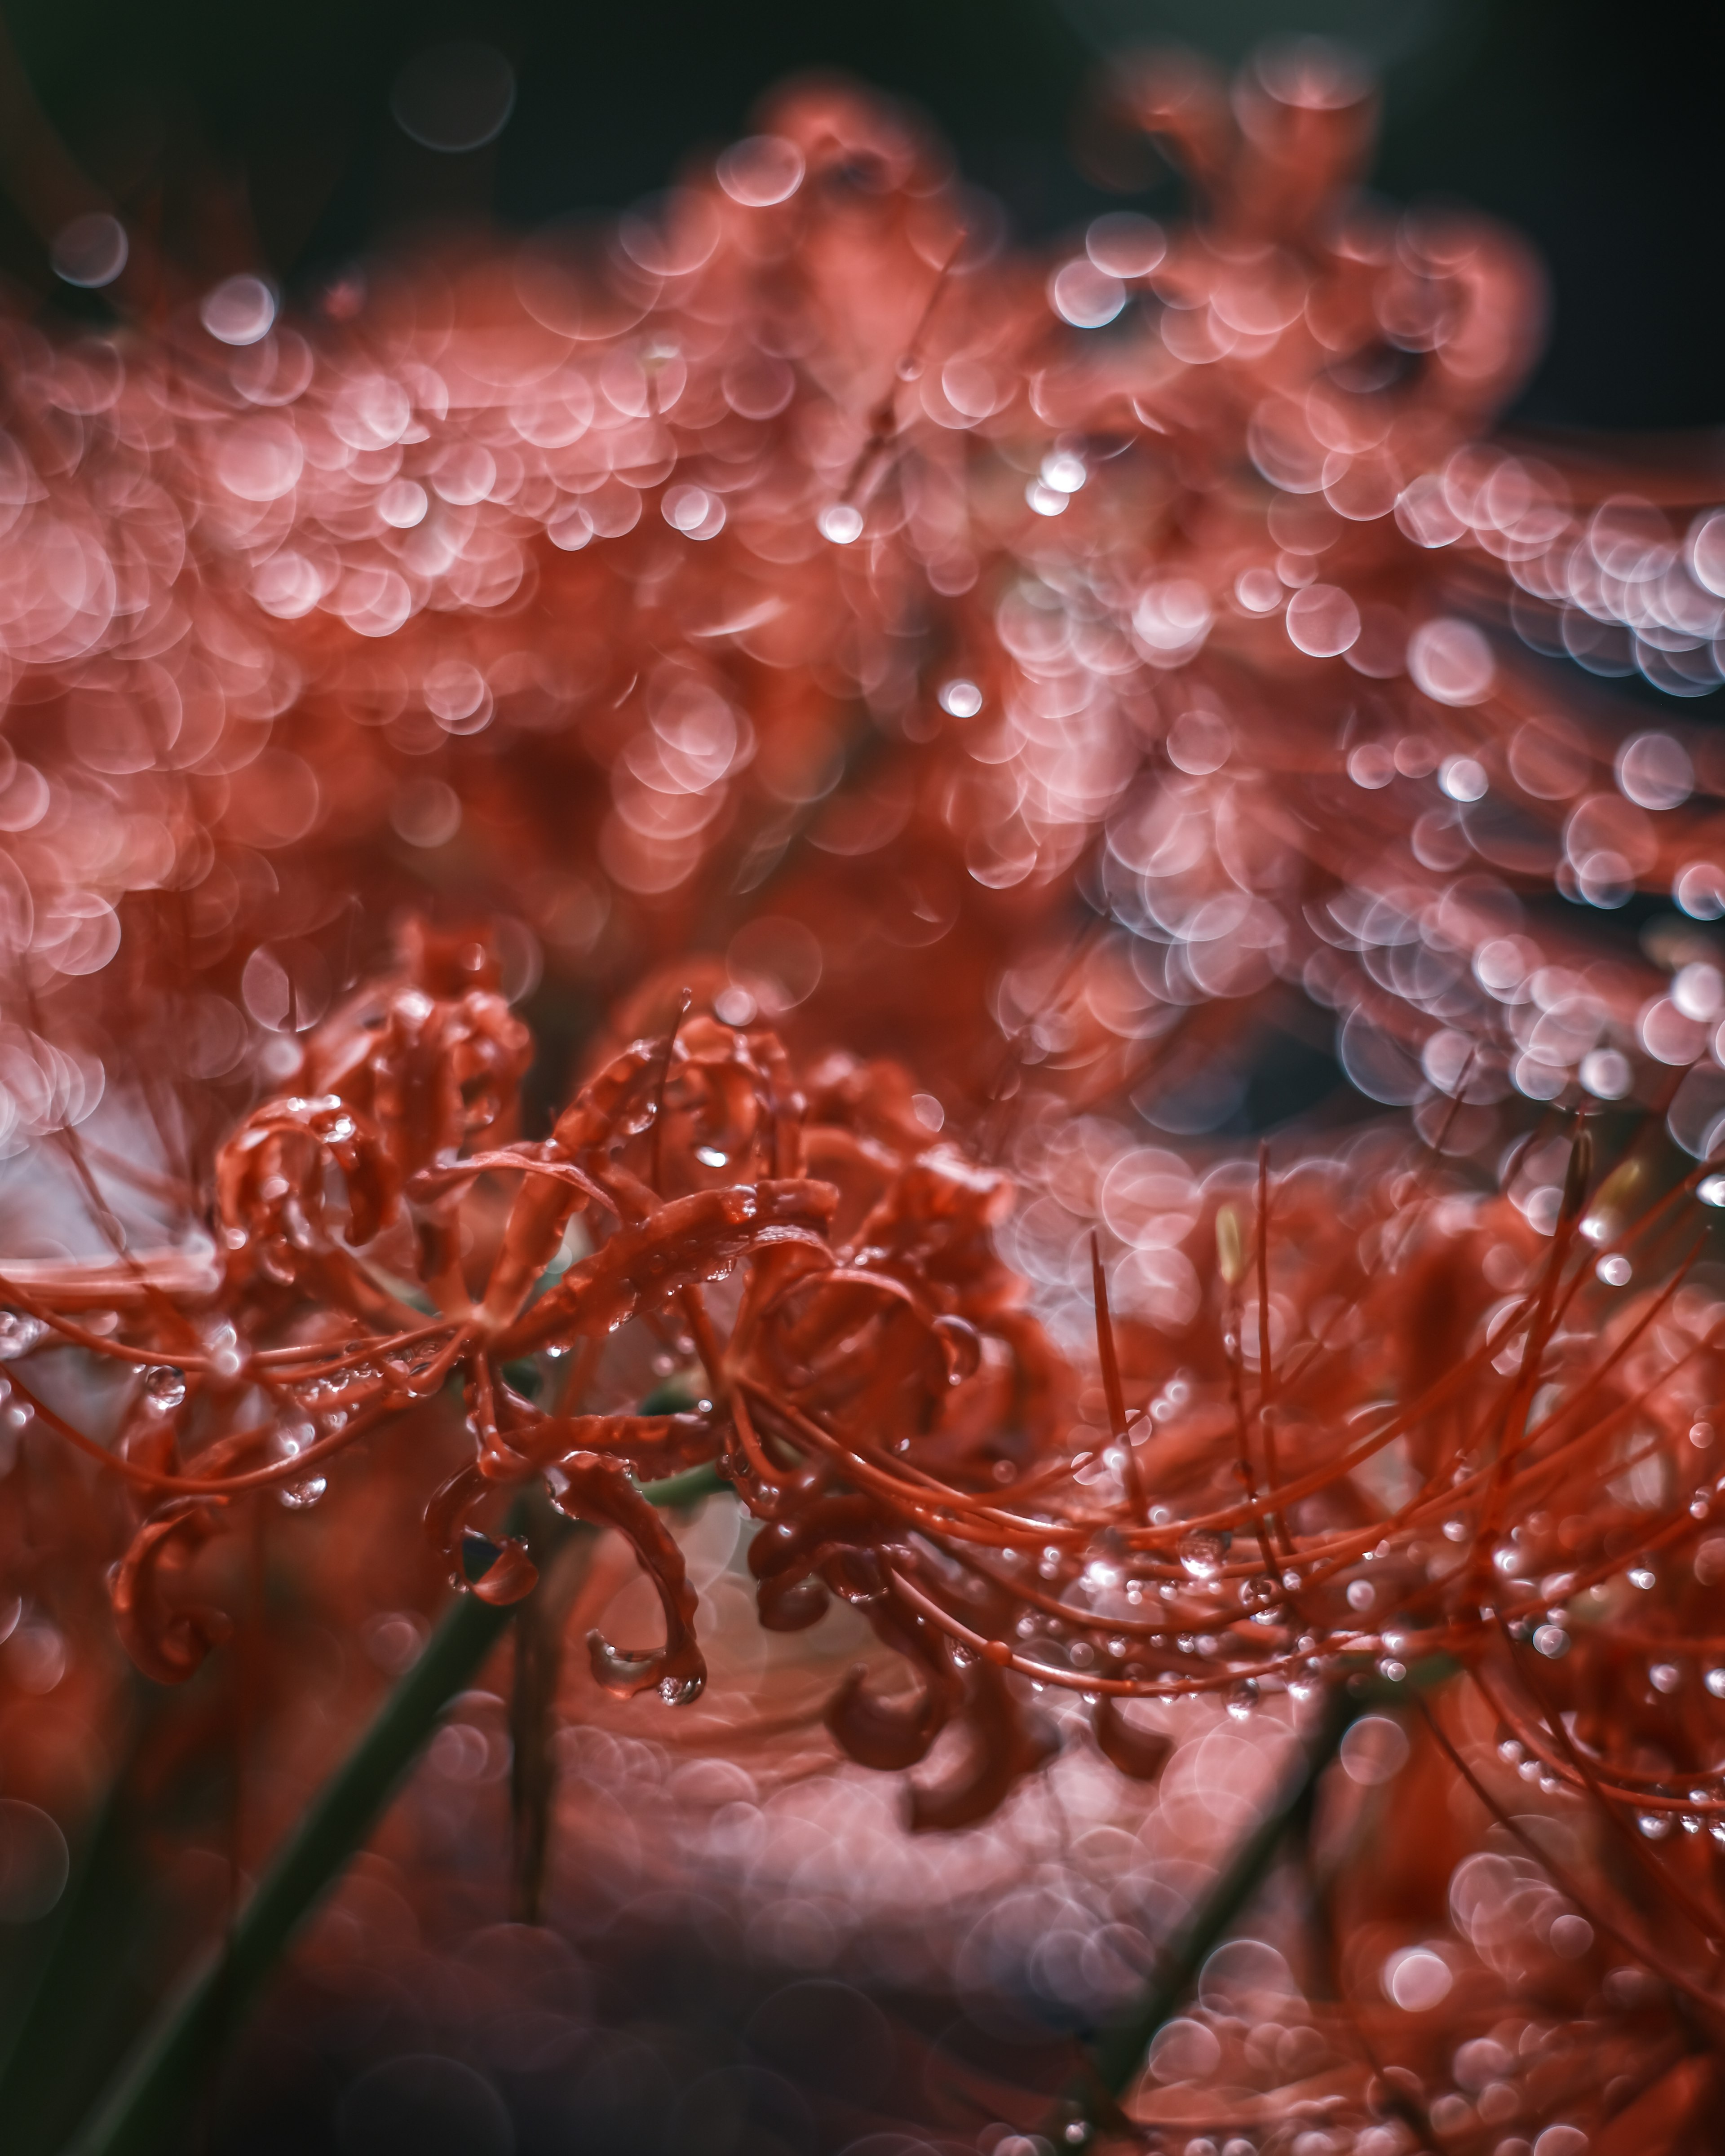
[795, 609]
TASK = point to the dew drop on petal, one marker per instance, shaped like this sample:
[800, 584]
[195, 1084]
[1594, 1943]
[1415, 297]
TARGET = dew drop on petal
[164, 1388]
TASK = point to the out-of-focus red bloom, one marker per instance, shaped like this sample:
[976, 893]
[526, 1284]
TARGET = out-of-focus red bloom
[796, 573]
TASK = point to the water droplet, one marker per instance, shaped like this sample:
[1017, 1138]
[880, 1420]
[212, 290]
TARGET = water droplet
[19, 1333]
[1710, 1190]
[1361, 1594]
[1392, 1670]
[1665, 1676]
[1655, 1825]
[1455, 1531]
[1243, 1700]
[1642, 1576]
[1201, 1552]
[1552, 1640]
[164, 1388]
[1715, 1682]
[1614, 1270]
[710, 1157]
[302, 1496]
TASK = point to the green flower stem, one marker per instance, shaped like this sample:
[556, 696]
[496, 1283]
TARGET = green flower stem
[147, 2101]
[1119, 2050]
[75, 2013]
[1115, 2053]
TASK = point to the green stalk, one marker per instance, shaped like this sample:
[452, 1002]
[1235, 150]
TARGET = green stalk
[1116, 2053]
[155, 2087]
[74, 2014]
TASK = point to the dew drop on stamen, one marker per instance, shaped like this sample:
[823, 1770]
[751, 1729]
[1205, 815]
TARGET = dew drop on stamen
[1242, 1699]
[1201, 1552]
[20, 1332]
[164, 1388]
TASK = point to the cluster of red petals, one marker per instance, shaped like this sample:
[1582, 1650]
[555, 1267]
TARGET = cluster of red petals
[1361, 1457]
[783, 618]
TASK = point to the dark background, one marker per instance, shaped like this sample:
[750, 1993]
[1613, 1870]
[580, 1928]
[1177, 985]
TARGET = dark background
[1593, 128]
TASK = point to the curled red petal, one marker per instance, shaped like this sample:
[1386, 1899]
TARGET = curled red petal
[1142, 1753]
[598, 1490]
[167, 1643]
[876, 1734]
[791, 1605]
[445, 1516]
[1005, 1746]
[509, 1574]
[690, 1240]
